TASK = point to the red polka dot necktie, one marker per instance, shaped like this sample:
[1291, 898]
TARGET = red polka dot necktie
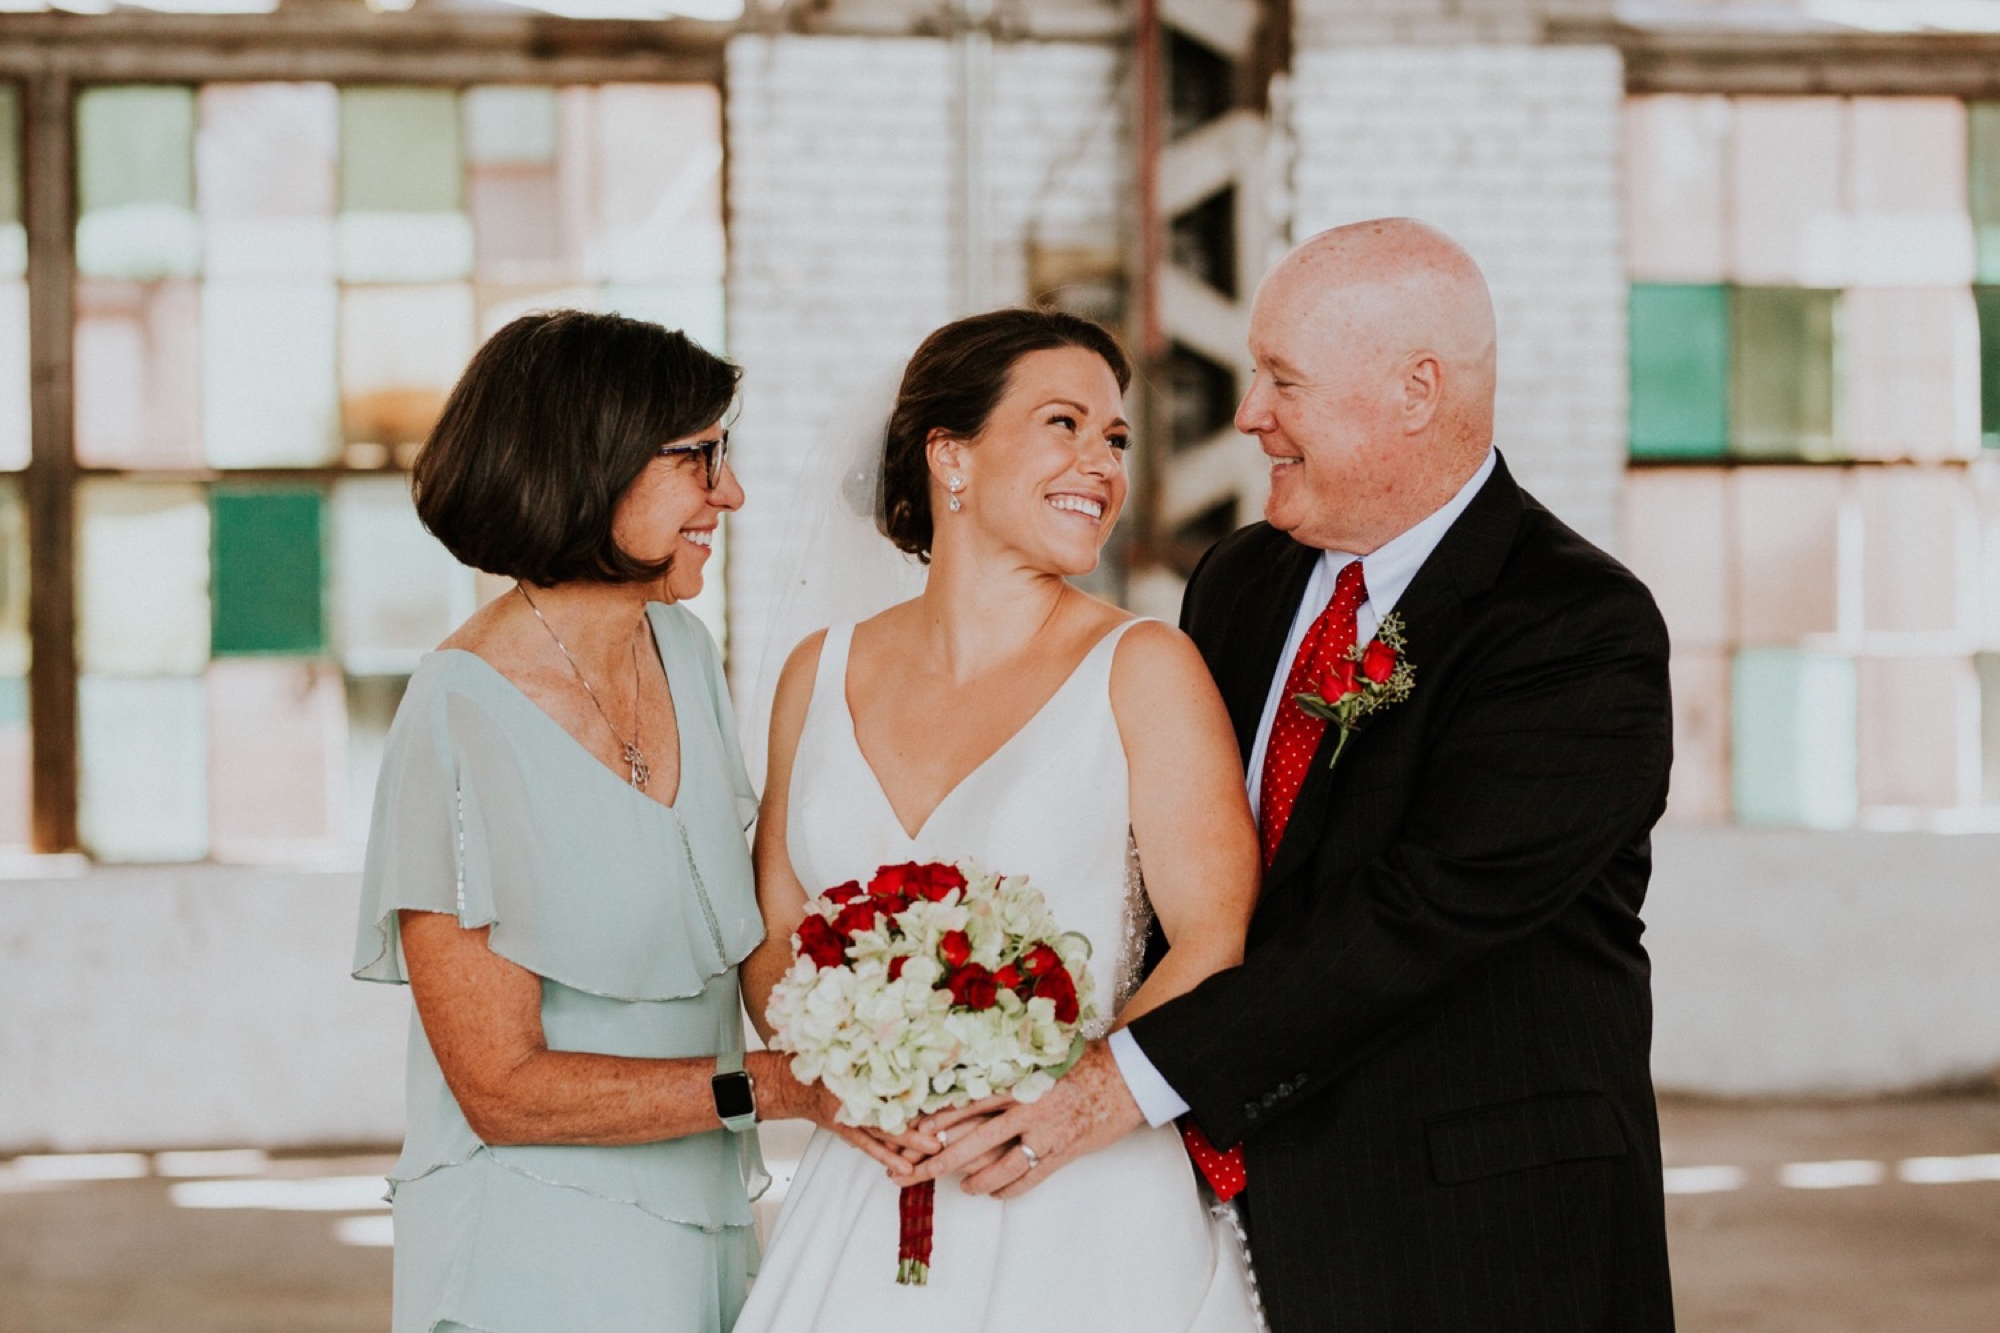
[1294, 738]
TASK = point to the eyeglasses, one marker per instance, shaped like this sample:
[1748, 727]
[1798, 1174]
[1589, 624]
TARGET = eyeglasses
[714, 453]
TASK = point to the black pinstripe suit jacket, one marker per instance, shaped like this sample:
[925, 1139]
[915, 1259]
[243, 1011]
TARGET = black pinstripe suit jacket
[1436, 1051]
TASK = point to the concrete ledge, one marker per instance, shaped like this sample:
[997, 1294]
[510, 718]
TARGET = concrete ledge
[1795, 963]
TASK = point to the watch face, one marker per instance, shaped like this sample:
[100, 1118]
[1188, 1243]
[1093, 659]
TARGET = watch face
[732, 1096]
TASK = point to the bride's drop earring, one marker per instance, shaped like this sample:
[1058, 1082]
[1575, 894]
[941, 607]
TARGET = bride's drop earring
[955, 485]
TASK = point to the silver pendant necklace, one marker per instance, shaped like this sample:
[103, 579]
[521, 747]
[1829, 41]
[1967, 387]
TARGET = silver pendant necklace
[634, 758]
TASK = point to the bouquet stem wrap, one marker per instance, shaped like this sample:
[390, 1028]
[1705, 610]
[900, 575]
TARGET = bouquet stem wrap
[915, 1205]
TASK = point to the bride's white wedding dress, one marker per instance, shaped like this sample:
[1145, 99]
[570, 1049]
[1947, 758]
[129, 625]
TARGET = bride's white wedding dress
[1120, 1240]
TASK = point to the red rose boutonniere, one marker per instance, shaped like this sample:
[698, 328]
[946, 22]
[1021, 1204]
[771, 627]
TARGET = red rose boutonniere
[1369, 678]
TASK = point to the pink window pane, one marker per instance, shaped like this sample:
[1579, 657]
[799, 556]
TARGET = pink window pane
[14, 443]
[1912, 372]
[1912, 224]
[265, 157]
[641, 173]
[277, 755]
[1785, 180]
[1917, 535]
[138, 374]
[1699, 793]
[1915, 717]
[1677, 539]
[1787, 537]
[1675, 148]
[401, 350]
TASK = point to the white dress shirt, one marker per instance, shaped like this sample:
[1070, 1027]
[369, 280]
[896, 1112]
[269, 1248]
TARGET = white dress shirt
[1387, 572]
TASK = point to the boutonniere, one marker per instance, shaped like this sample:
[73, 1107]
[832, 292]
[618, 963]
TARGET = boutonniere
[1367, 680]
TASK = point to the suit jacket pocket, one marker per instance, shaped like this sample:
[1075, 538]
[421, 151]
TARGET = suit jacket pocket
[1517, 1136]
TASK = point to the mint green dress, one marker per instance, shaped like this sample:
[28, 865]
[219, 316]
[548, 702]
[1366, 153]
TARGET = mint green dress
[635, 916]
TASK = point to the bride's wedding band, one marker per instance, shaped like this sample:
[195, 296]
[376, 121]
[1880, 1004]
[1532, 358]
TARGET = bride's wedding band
[1033, 1159]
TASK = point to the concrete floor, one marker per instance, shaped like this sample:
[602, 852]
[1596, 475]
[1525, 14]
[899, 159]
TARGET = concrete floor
[296, 1246]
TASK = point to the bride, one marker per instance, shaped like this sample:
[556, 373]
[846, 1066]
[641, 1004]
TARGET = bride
[1005, 716]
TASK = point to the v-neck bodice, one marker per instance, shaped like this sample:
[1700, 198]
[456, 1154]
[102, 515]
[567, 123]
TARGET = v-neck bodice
[1052, 802]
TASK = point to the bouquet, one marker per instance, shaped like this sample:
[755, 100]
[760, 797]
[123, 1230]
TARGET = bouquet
[932, 987]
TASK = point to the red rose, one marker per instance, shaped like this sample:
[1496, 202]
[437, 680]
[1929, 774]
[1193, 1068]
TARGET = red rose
[955, 948]
[1378, 661]
[935, 882]
[1060, 987]
[1040, 959]
[857, 917]
[819, 941]
[843, 893]
[889, 880]
[896, 966]
[1010, 978]
[972, 987]
[1343, 680]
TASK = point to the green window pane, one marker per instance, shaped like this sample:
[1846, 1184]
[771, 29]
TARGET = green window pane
[13, 238]
[1793, 732]
[1782, 382]
[13, 580]
[267, 570]
[1984, 169]
[142, 578]
[1680, 371]
[135, 182]
[402, 186]
[1988, 300]
[143, 762]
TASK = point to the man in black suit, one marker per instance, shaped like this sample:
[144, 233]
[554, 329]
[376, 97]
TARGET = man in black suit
[1434, 1057]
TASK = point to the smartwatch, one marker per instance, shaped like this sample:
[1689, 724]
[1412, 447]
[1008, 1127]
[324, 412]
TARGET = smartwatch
[735, 1094]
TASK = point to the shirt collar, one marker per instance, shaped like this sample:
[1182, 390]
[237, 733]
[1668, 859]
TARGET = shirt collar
[1390, 568]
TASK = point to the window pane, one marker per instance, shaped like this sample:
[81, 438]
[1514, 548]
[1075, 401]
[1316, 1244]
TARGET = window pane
[142, 578]
[1989, 726]
[510, 126]
[401, 186]
[1912, 225]
[1782, 372]
[500, 304]
[1987, 496]
[135, 183]
[371, 706]
[13, 237]
[1677, 540]
[267, 570]
[14, 420]
[266, 157]
[138, 374]
[401, 350]
[16, 764]
[1917, 533]
[1792, 738]
[1700, 785]
[143, 766]
[1984, 157]
[13, 580]
[1787, 539]
[277, 760]
[268, 369]
[1785, 182]
[1674, 154]
[1680, 371]
[642, 166]
[396, 591]
[1910, 712]
[1988, 301]
[695, 308]
[511, 184]
[1911, 372]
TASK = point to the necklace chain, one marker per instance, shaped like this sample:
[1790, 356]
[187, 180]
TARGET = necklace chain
[635, 758]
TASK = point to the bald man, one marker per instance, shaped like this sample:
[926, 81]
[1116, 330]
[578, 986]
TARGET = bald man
[1434, 1058]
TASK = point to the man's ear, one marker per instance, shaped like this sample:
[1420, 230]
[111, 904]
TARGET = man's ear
[1423, 391]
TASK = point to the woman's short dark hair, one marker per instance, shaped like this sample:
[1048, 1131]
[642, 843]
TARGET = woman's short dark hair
[552, 421]
[952, 384]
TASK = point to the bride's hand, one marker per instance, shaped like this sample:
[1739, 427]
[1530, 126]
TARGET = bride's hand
[960, 1121]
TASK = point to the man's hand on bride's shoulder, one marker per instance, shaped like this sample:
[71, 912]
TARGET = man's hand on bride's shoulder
[1008, 1151]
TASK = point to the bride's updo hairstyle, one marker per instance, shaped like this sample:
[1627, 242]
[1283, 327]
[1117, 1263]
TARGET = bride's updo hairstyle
[952, 384]
[551, 423]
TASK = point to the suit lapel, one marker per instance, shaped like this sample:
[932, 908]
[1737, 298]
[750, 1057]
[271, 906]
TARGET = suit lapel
[1465, 563]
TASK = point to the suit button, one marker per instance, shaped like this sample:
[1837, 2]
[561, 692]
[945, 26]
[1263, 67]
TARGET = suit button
[1270, 1099]
[1249, 1110]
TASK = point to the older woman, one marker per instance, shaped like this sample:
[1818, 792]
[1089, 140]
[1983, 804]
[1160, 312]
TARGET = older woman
[557, 864]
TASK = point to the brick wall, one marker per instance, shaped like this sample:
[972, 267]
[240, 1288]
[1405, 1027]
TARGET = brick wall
[1514, 151]
[844, 197]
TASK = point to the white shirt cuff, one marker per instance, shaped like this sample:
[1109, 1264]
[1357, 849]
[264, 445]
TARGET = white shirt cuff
[1158, 1102]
